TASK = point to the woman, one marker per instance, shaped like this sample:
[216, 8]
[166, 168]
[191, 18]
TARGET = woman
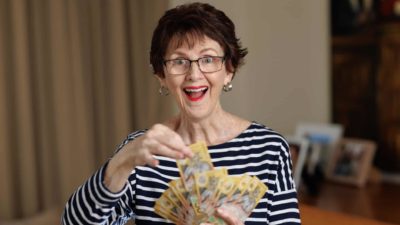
[195, 54]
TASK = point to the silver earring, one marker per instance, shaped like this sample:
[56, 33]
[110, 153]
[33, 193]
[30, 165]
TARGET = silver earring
[228, 87]
[163, 91]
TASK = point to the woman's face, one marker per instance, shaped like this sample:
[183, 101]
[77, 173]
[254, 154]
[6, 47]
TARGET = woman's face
[197, 93]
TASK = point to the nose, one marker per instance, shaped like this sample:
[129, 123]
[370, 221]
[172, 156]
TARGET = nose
[194, 72]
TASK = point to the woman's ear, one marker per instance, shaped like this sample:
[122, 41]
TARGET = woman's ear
[230, 72]
[228, 77]
[161, 80]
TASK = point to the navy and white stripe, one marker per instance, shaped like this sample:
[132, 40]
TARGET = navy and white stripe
[257, 151]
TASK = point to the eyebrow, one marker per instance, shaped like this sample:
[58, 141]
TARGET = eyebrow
[209, 49]
[182, 53]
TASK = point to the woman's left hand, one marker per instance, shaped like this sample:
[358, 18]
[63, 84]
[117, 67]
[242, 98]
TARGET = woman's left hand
[228, 218]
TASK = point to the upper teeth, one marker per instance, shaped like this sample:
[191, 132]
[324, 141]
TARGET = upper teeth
[196, 90]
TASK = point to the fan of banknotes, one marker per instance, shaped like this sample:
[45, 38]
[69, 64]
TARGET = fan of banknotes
[194, 198]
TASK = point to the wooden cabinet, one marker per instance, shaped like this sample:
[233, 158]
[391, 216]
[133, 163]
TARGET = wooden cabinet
[388, 98]
[366, 90]
[353, 85]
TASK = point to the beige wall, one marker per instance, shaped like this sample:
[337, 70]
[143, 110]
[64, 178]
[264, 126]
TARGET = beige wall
[286, 75]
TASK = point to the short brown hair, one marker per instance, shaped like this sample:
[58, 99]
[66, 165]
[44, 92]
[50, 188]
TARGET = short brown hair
[190, 22]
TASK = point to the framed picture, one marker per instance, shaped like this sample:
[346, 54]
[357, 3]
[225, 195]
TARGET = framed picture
[298, 147]
[352, 161]
[323, 139]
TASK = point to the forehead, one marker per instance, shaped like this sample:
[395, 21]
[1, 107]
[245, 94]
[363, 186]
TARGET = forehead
[192, 41]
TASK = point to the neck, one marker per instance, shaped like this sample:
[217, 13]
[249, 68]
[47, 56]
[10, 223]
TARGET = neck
[213, 130]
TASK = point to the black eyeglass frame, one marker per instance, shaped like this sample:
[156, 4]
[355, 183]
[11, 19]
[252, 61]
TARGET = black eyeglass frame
[223, 58]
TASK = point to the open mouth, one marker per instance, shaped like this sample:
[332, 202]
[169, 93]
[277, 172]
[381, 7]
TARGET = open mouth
[195, 93]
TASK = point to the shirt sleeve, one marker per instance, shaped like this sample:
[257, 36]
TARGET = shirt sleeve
[93, 203]
[284, 204]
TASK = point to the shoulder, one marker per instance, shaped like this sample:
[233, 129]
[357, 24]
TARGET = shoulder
[274, 140]
[260, 139]
[258, 129]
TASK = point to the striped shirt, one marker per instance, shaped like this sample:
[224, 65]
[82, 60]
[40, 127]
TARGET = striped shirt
[257, 151]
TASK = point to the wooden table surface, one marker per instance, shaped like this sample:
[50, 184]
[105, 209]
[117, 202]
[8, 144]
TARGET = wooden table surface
[311, 215]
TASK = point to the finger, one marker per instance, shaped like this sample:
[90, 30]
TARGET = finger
[228, 218]
[155, 147]
[166, 151]
[174, 141]
[170, 138]
[150, 160]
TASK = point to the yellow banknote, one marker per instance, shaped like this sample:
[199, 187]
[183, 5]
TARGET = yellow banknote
[200, 162]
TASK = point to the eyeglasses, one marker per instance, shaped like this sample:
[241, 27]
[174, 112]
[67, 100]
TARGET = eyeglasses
[208, 64]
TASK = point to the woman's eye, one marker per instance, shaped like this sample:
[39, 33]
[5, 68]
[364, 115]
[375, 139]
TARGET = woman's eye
[208, 60]
[179, 62]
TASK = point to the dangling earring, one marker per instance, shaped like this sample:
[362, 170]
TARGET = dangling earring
[163, 91]
[228, 87]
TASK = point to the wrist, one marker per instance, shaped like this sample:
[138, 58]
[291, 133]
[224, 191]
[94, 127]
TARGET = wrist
[117, 172]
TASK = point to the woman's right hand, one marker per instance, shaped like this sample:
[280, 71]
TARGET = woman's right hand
[158, 140]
